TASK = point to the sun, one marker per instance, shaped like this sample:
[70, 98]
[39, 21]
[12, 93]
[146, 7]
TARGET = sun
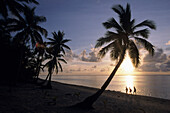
[127, 66]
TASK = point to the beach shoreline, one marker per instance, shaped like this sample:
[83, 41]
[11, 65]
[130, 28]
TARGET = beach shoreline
[31, 98]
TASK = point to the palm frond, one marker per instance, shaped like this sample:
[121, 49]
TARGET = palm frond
[41, 30]
[62, 49]
[128, 13]
[56, 67]
[144, 33]
[112, 23]
[146, 23]
[147, 45]
[114, 54]
[118, 9]
[111, 46]
[37, 37]
[110, 36]
[65, 40]
[51, 39]
[133, 53]
[61, 59]
[65, 46]
[60, 66]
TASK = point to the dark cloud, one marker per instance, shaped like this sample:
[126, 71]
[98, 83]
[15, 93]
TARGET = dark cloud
[168, 49]
[159, 56]
[70, 55]
[160, 62]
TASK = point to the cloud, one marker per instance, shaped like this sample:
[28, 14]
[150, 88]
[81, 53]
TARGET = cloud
[160, 62]
[70, 55]
[168, 43]
[168, 49]
[159, 56]
[89, 57]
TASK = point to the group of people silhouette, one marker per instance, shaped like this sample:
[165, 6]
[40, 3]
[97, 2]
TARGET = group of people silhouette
[130, 90]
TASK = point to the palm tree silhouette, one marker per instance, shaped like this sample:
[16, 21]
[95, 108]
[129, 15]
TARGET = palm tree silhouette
[122, 40]
[14, 6]
[27, 30]
[56, 53]
[28, 27]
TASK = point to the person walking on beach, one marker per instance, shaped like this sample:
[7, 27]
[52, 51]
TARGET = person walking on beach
[126, 89]
[134, 91]
[130, 90]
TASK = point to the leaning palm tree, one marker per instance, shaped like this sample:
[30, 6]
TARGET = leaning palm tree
[124, 39]
[55, 55]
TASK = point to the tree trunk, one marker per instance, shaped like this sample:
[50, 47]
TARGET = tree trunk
[88, 102]
[49, 82]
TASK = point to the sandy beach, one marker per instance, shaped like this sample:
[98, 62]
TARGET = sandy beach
[30, 98]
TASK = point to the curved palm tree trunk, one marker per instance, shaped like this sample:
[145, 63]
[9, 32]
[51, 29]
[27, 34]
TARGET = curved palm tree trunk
[88, 102]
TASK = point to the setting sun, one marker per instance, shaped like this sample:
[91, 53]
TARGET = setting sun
[127, 65]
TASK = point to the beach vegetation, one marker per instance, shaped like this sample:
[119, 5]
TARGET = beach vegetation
[55, 55]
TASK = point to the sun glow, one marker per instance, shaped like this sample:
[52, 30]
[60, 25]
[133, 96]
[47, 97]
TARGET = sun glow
[129, 81]
[127, 66]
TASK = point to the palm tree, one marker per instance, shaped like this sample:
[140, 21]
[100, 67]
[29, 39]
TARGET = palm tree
[27, 27]
[56, 53]
[14, 6]
[122, 40]
[27, 30]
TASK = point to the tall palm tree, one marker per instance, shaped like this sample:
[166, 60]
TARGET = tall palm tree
[56, 53]
[14, 6]
[124, 39]
[27, 30]
[27, 27]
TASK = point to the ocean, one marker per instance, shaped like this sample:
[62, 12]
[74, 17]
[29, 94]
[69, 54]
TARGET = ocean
[148, 85]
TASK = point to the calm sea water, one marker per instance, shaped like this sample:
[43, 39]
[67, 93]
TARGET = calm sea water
[149, 85]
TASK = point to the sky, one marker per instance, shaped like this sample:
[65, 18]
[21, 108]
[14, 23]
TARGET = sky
[81, 21]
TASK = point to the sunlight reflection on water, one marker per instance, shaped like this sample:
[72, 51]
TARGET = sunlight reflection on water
[129, 81]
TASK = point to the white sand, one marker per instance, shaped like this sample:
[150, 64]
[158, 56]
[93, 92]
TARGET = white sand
[31, 99]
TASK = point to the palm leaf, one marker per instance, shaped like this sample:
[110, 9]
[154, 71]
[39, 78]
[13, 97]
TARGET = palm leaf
[144, 33]
[60, 66]
[118, 9]
[146, 23]
[65, 40]
[133, 53]
[65, 46]
[110, 36]
[147, 45]
[112, 23]
[60, 59]
[41, 30]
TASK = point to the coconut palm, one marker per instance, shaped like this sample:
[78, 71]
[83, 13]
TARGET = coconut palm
[27, 30]
[27, 27]
[14, 6]
[56, 53]
[123, 39]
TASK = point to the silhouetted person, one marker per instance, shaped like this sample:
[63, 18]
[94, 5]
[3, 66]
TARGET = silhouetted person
[134, 91]
[126, 90]
[130, 90]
